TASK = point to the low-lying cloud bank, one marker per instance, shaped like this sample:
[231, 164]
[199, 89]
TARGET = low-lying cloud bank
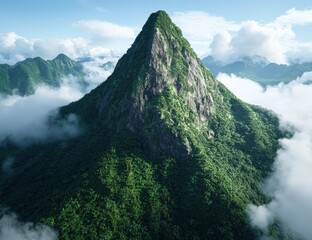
[35, 118]
[13, 229]
[290, 185]
[27, 119]
[98, 69]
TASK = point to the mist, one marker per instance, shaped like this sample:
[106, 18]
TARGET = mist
[13, 229]
[98, 69]
[290, 184]
[35, 118]
[25, 119]
[7, 164]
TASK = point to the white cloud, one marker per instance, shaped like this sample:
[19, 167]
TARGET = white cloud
[14, 48]
[298, 52]
[98, 70]
[200, 27]
[106, 34]
[252, 39]
[25, 119]
[49, 48]
[228, 41]
[295, 17]
[290, 185]
[12, 229]
[305, 78]
[260, 216]
[106, 30]
[221, 46]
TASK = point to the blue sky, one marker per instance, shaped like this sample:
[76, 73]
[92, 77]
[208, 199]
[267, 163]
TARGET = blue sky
[80, 22]
[50, 18]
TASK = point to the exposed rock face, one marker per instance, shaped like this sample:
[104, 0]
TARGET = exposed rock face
[191, 84]
[164, 67]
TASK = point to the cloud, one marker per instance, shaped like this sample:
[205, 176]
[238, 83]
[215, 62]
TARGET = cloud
[228, 41]
[48, 48]
[35, 118]
[14, 48]
[298, 52]
[295, 17]
[107, 34]
[221, 46]
[106, 31]
[208, 34]
[252, 39]
[98, 70]
[290, 185]
[305, 78]
[12, 229]
[200, 27]
[260, 216]
[7, 164]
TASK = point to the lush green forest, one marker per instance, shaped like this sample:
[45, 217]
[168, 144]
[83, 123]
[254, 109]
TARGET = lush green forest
[23, 77]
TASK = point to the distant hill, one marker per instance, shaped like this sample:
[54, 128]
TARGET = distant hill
[23, 77]
[259, 70]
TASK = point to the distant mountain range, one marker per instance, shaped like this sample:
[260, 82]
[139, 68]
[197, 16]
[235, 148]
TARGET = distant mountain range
[259, 69]
[23, 77]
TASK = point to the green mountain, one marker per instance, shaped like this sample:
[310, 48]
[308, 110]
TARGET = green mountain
[167, 153]
[262, 71]
[24, 76]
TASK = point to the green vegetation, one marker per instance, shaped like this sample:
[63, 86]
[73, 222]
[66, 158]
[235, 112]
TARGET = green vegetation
[167, 153]
[24, 76]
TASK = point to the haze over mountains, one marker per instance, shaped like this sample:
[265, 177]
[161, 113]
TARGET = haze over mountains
[259, 69]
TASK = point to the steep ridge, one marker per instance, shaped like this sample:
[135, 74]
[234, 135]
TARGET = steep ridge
[24, 76]
[159, 66]
[167, 153]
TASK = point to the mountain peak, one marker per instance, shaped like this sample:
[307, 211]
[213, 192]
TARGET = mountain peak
[157, 85]
[161, 21]
[62, 57]
[158, 17]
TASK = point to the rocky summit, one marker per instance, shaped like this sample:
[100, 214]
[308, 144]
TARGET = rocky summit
[167, 152]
